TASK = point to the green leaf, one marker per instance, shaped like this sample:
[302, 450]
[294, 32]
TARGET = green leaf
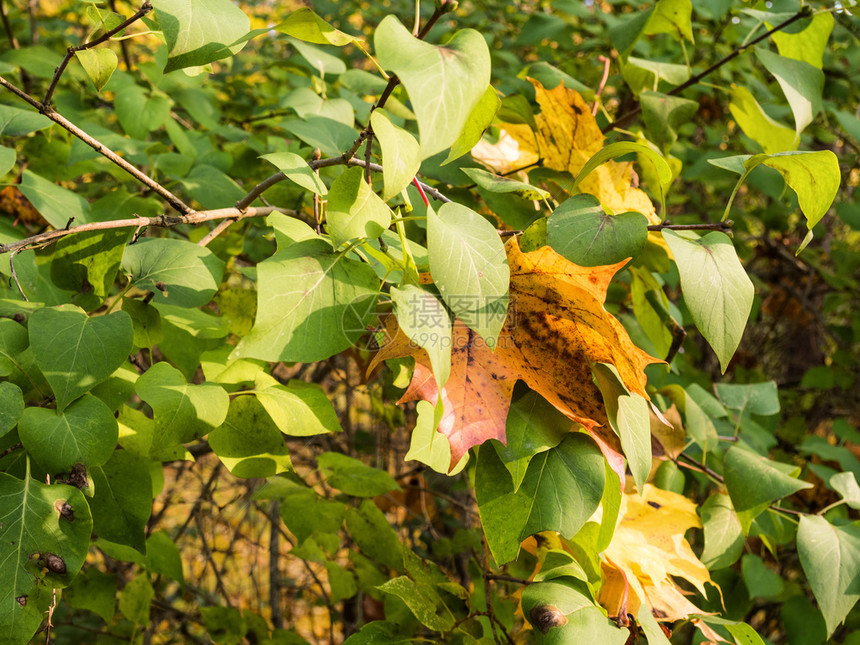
[806, 45]
[671, 17]
[84, 433]
[249, 443]
[480, 118]
[372, 533]
[76, 353]
[305, 25]
[304, 511]
[581, 231]
[354, 211]
[562, 488]
[211, 187]
[297, 171]
[146, 322]
[86, 263]
[424, 603]
[444, 83]
[11, 406]
[470, 267]
[499, 184]
[32, 526]
[744, 634]
[135, 600]
[429, 446]
[771, 135]
[641, 74]
[761, 581]
[200, 31]
[846, 485]
[330, 136]
[182, 412]
[629, 417]
[621, 148]
[754, 398]
[801, 83]
[648, 309]
[401, 154]
[55, 203]
[178, 272]
[562, 611]
[830, 556]
[813, 176]
[299, 409]
[724, 539]
[312, 303]
[533, 426]
[123, 499]
[426, 322]
[15, 122]
[354, 477]
[140, 113]
[321, 61]
[716, 288]
[95, 591]
[163, 557]
[99, 64]
[7, 159]
[664, 115]
[755, 482]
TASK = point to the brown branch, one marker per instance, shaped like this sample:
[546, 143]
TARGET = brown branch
[709, 226]
[161, 221]
[99, 147]
[621, 122]
[145, 8]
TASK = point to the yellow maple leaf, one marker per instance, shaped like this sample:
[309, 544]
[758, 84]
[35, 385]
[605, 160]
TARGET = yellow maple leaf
[647, 551]
[556, 328]
[567, 137]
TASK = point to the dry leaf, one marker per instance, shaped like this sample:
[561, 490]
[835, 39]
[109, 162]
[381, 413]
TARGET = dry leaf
[647, 551]
[556, 328]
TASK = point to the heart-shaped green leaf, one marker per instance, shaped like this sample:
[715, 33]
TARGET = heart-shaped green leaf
[469, 265]
[717, 290]
[85, 432]
[75, 352]
[444, 83]
[581, 231]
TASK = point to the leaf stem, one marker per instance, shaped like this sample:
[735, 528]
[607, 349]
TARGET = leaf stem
[725, 225]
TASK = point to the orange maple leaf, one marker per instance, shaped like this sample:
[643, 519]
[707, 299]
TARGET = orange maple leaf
[556, 328]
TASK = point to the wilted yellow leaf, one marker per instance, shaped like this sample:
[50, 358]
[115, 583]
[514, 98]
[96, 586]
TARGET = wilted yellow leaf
[647, 551]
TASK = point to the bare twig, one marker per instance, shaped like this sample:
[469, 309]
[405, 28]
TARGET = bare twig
[215, 232]
[161, 221]
[621, 122]
[99, 147]
[123, 45]
[707, 226]
[145, 8]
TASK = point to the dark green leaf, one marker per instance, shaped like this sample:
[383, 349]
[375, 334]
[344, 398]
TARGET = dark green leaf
[122, 500]
[353, 477]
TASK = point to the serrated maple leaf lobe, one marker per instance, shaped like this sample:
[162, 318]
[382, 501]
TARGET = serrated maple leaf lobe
[556, 328]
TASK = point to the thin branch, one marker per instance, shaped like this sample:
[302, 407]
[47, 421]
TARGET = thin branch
[145, 8]
[15, 275]
[160, 221]
[215, 232]
[99, 147]
[123, 45]
[709, 226]
[623, 121]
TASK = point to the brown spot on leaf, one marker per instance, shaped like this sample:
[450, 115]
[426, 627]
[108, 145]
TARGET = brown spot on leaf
[545, 617]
